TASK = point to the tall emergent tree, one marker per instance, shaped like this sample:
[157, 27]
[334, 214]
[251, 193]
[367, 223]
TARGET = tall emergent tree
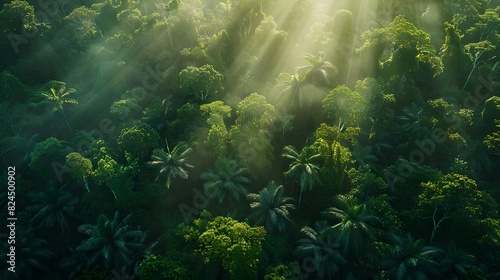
[453, 200]
[492, 141]
[250, 135]
[79, 167]
[302, 169]
[172, 163]
[354, 225]
[410, 259]
[400, 49]
[138, 140]
[202, 84]
[112, 243]
[290, 90]
[235, 245]
[454, 263]
[32, 258]
[227, 182]
[52, 209]
[271, 208]
[57, 96]
[318, 71]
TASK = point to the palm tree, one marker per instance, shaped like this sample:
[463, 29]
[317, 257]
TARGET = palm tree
[355, 224]
[32, 257]
[270, 208]
[291, 89]
[478, 157]
[363, 155]
[173, 163]
[247, 83]
[155, 114]
[57, 96]
[454, 262]
[228, 179]
[410, 121]
[302, 168]
[411, 115]
[410, 259]
[319, 246]
[52, 209]
[112, 243]
[318, 71]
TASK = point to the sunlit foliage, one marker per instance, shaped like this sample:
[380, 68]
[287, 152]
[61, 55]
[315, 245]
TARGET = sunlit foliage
[234, 244]
[381, 116]
[401, 48]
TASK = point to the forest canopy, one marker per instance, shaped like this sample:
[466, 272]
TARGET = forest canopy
[250, 139]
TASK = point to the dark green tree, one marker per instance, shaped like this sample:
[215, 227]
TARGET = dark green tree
[321, 250]
[354, 225]
[337, 161]
[454, 263]
[453, 55]
[371, 190]
[112, 243]
[302, 169]
[188, 119]
[492, 141]
[79, 167]
[172, 163]
[250, 136]
[172, 5]
[18, 26]
[45, 154]
[57, 96]
[235, 245]
[125, 108]
[291, 92]
[81, 25]
[410, 259]
[33, 257]
[52, 209]
[490, 113]
[218, 136]
[271, 208]
[162, 268]
[484, 40]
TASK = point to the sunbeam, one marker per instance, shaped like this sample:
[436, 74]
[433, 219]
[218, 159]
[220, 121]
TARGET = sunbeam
[250, 139]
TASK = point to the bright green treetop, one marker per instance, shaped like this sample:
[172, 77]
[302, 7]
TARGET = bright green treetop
[138, 140]
[236, 245]
[201, 83]
[79, 167]
[408, 48]
[344, 105]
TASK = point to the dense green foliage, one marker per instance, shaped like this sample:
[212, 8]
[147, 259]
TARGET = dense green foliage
[251, 139]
